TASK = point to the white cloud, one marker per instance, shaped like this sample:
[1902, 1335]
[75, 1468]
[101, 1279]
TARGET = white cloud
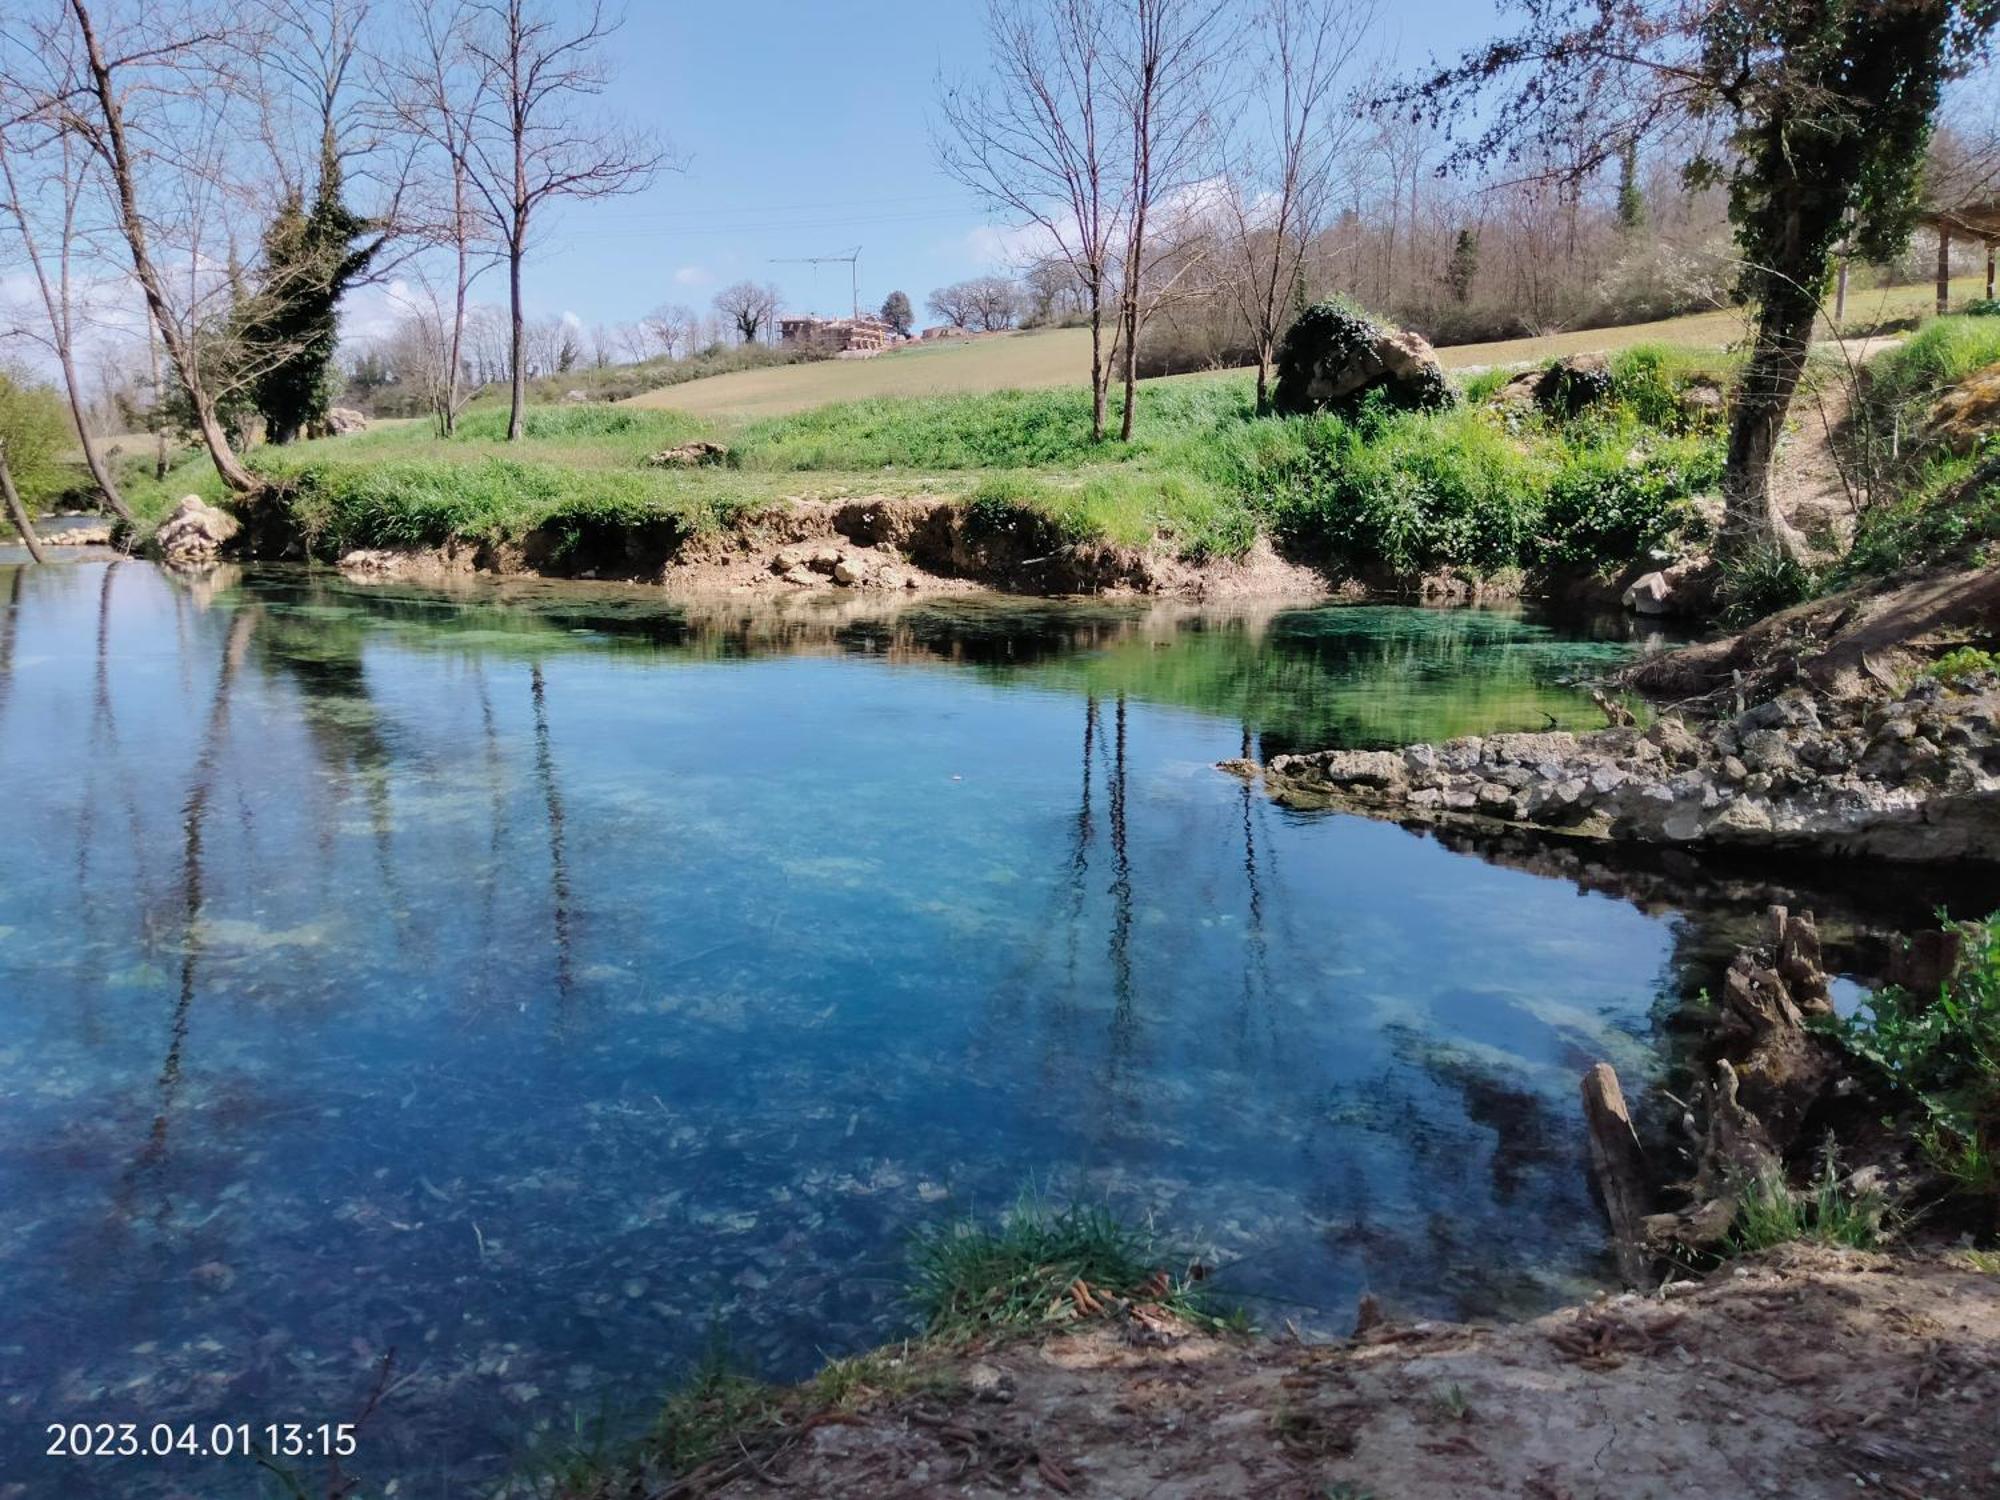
[1008, 244]
[692, 276]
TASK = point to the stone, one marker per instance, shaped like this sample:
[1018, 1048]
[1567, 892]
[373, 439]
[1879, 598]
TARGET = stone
[343, 420]
[194, 533]
[848, 573]
[694, 455]
[1561, 389]
[1649, 595]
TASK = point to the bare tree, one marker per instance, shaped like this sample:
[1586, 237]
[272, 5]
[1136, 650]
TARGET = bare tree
[1037, 142]
[439, 94]
[93, 103]
[533, 143]
[1161, 77]
[749, 307]
[66, 182]
[1276, 191]
[668, 329]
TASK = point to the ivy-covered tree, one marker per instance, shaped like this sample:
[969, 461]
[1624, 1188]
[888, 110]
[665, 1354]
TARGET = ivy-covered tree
[897, 312]
[1631, 202]
[1463, 267]
[1825, 108]
[290, 326]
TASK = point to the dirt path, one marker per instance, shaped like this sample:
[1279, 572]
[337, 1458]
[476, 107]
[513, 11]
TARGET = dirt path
[1804, 1374]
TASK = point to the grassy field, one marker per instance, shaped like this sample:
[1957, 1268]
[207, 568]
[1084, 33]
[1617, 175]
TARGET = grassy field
[1055, 357]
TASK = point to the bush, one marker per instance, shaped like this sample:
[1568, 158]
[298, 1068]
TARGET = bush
[35, 426]
[1331, 334]
[1408, 492]
[1763, 581]
[1943, 1050]
[1607, 508]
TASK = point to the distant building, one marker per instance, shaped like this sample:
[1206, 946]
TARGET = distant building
[837, 335]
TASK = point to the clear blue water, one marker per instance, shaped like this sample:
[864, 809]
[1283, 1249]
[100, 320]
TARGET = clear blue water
[540, 983]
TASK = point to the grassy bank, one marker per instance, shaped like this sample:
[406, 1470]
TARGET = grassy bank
[1932, 503]
[1475, 488]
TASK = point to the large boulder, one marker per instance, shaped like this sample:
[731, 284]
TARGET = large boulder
[342, 420]
[1333, 356]
[1561, 389]
[195, 533]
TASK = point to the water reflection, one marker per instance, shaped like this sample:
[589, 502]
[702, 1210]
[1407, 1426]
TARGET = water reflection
[530, 981]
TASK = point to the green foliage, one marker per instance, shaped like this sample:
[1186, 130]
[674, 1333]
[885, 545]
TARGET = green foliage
[1407, 493]
[1650, 382]
[1943, 1050]
[1611, 504]
[1760, 581]
[1329, 335]
[897, 312]
[35, 427]
[1631, 201]
[1982, 307]
[1929, 507]
[709, 1410]
[289, 328]
[580, 420]
[968, 1278]
[1769, 1213]
[1967, 661]
[1463, 268]
[1931, 361]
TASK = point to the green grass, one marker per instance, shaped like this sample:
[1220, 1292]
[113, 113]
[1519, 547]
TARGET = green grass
[1385, 493]
[970, 1278]
[1770, 1213]
[1930, 507]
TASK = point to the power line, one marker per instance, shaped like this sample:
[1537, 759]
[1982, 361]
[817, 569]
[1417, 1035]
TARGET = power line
[853, 259]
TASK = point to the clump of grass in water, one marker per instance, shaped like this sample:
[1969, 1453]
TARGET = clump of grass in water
[968, 1278]
[1769, 1213]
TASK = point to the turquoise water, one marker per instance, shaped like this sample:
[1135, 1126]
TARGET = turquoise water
[544, 984]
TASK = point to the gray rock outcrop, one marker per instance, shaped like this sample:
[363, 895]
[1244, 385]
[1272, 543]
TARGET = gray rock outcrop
[1914, 777]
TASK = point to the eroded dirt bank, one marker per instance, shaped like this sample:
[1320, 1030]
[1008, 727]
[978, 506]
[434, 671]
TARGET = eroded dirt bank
[870, 545]
[1802, 1373]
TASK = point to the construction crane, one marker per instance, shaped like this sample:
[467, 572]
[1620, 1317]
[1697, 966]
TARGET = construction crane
[853, 262]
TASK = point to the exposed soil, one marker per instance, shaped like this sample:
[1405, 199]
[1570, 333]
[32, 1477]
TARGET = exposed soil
[879, 543]
[1803, 1373]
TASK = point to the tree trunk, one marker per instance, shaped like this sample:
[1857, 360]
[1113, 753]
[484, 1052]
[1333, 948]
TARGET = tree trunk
[1763, 397]
[1098, 380]
[518, 389]
[118, 155]
[16, 511]
[159, 424]
[58, 313]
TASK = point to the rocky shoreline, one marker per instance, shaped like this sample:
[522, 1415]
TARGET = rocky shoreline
[1910, 777]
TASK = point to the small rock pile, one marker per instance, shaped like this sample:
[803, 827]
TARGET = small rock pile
[1912, 777]
[812, 563]
[194, 534]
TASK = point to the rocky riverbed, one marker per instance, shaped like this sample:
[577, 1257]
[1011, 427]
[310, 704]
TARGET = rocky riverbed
[1913, 776]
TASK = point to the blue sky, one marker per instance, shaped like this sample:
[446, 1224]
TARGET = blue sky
[805, 127]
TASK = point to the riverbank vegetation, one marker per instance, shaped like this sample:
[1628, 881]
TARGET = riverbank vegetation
[1476, 487]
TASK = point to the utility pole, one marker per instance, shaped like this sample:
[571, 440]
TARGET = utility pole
[852, 259]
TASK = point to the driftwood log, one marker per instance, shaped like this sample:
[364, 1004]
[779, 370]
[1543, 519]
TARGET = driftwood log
[1766, 1071]
[1619, 1165]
